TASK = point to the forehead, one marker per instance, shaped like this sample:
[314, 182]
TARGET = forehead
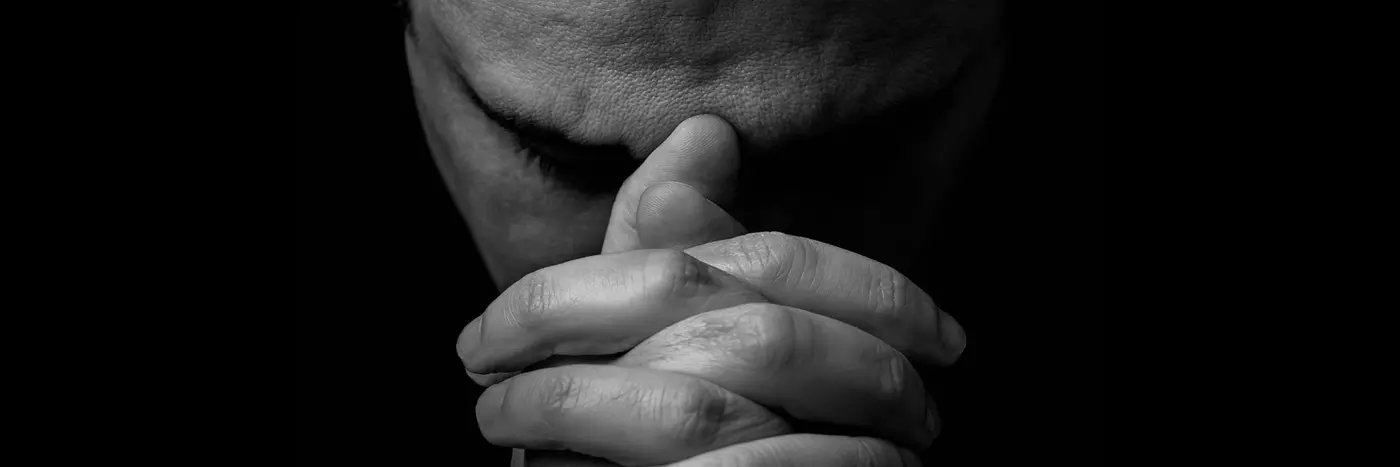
[628, 71]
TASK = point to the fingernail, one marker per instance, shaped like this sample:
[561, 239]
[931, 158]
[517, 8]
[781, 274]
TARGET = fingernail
[953, 336]
[931, 419]
[489, 379]
[708, 253]
[931, 424]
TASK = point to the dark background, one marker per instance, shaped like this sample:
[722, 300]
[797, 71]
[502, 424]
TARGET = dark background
[387, 273]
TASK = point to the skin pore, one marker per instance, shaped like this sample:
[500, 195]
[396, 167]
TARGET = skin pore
[850, 114]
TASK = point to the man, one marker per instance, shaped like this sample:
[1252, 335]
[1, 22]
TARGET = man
[589, 144]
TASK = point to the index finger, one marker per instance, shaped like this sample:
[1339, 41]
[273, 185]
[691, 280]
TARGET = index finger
[837, 283]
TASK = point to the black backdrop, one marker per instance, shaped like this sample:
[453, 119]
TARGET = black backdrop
[387, 274]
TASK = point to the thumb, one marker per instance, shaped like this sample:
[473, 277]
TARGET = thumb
[702, 153]
[676, 215]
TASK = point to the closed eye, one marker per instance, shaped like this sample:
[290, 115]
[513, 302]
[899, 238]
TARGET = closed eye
[590, 169]
[587, 170]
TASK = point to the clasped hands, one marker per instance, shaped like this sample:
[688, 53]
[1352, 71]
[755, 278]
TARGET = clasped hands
[705, 345]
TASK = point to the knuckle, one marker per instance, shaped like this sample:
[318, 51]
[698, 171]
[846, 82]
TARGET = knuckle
[893, 372]
[768, 337]
[699, 412]
[770, 256]
[532, 300]
[557, 396]
[889, 294]
[873, 453]
[672, 273]
[864, 454]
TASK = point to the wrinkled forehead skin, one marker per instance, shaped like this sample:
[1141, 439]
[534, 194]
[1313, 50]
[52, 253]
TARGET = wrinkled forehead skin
[628, 71]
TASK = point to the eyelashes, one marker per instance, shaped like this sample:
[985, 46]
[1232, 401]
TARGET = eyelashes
[546, 165]
[589, 170]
